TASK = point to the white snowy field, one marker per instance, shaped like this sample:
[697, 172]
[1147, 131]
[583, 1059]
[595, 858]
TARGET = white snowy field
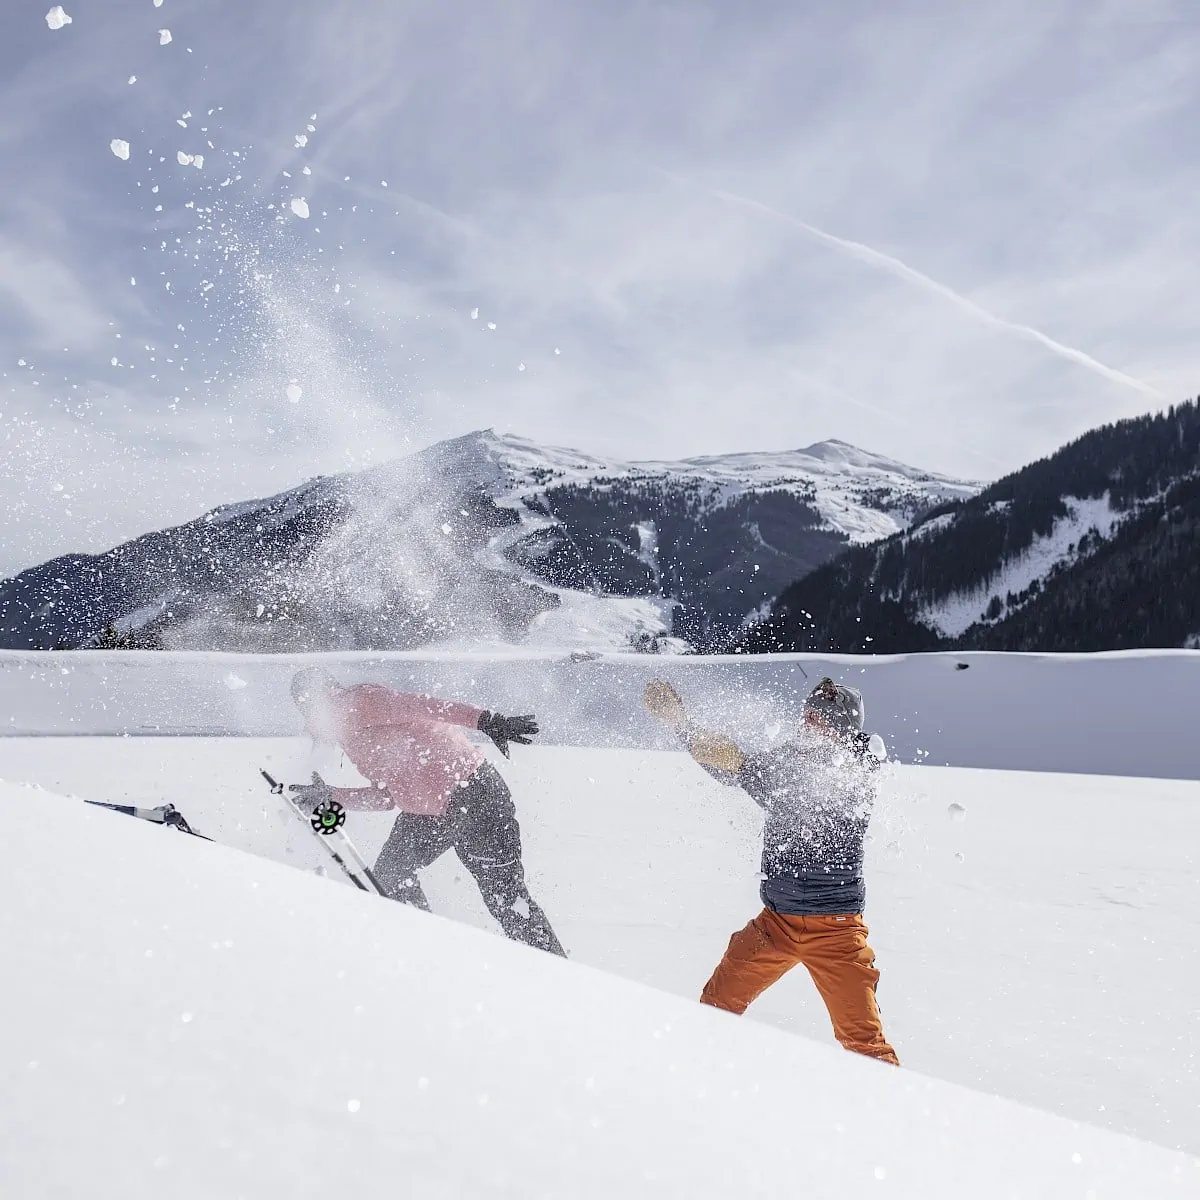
[1122, 713]
[1039, 944]
[185, 1020]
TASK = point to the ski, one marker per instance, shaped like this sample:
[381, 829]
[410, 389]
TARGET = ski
[327, 820]
[164, 814]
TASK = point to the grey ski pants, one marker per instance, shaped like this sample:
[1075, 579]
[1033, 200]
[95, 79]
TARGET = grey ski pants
[480, 826]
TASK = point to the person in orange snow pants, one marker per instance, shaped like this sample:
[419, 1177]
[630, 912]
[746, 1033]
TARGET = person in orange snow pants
[816, 790]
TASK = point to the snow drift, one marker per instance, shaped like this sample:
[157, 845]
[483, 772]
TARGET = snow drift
[197, 1022]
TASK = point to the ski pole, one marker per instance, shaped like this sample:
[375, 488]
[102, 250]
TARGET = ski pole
[320, 826]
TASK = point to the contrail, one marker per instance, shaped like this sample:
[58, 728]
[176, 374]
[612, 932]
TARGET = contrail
[877, 258]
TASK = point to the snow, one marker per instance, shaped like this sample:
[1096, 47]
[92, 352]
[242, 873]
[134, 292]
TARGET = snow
[164, 37]
[586, 622]
[56, 18]
[206, 1023]
[120, 148]
[956, 614]
[300, 207]
[840, 481]
[294, 391]
[1077, 714]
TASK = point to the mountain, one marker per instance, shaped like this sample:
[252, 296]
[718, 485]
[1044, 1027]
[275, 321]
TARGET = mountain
[1096, 547]
[478, 538]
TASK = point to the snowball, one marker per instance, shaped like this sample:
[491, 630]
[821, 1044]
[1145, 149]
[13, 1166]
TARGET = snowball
[301, 140]
[158, 3]
[133, 79]
[474, 314]
[56, 18]
[184, 159]
[198, 161]
[957, 812]
[308, 170]
[294, 391]
[353, 1105]
[119, 148]
[520, 366]
[491, 324]
[234, 682]
[164, 36]
[300, 207]
[557, 350]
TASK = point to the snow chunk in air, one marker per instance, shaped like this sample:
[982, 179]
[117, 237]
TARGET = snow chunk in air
[164, 37]
[293, 390]
[120, 148]
[300, 207]
[56, 18]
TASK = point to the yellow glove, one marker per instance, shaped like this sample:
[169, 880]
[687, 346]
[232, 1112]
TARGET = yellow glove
[663, 702]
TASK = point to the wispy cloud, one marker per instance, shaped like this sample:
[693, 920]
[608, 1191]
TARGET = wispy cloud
[877, 258]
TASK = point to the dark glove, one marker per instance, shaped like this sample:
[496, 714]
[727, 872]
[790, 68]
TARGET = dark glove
[308, 795]
[503, 730]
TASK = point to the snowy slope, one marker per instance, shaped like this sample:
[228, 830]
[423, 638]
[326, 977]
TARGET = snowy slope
[862, 495]
[955, 613]
[1028, 937]
[206, 1024]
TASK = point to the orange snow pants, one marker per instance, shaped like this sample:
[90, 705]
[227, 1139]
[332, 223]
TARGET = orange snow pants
[835, 951]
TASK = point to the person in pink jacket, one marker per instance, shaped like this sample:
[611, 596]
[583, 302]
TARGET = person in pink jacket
[418, 759]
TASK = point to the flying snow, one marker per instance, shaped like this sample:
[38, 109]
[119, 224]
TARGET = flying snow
[164, 37]
[119, 148]
[158, 3]
[300, 207]
[294, 391]
[56, 18]
[474, 314]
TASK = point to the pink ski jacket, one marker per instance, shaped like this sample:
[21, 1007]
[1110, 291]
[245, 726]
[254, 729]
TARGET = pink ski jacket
[405, 744]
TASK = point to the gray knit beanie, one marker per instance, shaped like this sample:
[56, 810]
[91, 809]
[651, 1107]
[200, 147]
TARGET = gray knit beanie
[841, 707]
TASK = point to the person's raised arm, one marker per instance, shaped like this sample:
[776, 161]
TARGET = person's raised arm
[406, 707]
[716, 752]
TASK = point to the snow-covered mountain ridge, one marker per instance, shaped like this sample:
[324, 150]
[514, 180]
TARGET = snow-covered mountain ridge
[483, 538]
[861, 495]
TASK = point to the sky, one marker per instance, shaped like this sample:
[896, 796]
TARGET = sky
[958, 235]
